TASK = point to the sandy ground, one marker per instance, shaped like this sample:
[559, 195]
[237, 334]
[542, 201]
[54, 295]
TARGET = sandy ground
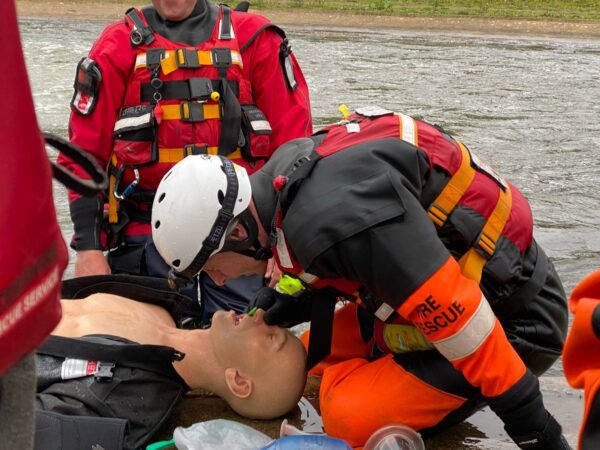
[108, 11]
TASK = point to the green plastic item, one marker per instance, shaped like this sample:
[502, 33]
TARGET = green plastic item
[161, 444]
[289, 285]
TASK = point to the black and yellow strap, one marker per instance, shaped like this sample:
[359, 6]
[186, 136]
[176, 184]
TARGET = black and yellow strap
[474, 259]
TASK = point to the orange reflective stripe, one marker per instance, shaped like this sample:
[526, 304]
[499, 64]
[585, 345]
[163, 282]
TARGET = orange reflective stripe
[447, 200]
[113, 216]
[175, 112]
[472, 261]
[174, 155]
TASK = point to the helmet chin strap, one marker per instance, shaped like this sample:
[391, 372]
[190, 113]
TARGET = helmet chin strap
[250, 246]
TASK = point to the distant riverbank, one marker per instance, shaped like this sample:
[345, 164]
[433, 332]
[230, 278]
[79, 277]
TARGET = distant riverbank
[107, 10]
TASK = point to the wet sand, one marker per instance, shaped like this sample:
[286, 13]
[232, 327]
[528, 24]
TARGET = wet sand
[481, 431]
[108, 11]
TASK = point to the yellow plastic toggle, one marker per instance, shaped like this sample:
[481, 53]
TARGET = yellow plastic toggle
[345, 111]
[215, 96]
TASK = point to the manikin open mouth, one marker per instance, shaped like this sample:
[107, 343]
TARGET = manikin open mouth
[237, 318]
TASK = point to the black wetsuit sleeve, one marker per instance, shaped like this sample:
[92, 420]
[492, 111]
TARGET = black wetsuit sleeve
[86, 214]
[390, 259]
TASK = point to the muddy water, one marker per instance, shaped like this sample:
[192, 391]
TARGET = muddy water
[528, 106]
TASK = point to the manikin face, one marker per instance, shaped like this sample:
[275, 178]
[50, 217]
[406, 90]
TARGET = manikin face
[175, 10]
[249, 343]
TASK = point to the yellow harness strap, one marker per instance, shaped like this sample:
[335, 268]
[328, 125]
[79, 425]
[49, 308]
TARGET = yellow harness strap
[472, 262]
[445, 202]
[174, 155]
[172, 59]
[182, 111]
[113, 216]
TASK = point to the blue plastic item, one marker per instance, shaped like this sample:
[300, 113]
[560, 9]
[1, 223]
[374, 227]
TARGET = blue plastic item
[307, 442]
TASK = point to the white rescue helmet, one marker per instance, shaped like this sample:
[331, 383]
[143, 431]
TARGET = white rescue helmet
[193, 210]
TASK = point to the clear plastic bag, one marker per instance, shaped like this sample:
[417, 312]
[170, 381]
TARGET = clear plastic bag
[219, 434]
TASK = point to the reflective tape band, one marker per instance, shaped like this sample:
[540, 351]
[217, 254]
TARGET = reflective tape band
[469, 338]
[408, 129]
[174, 155]
[132, 123]
[168, 62]
[308, 278]
[173, 112]
[282, 251]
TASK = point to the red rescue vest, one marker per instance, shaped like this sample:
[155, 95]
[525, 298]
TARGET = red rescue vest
[182, 101]
[471, 183]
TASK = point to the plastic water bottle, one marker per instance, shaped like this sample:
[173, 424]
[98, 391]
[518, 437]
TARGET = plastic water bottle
[395, 437]
[307, 442]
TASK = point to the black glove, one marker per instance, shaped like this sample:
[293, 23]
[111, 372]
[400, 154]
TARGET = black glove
[282, 309]
[550, 438]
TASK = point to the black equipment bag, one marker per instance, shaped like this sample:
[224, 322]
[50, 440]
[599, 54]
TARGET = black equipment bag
[103, 391]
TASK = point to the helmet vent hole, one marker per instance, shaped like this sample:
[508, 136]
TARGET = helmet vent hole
[168, 174]
[162, 197]
[176, 263]
[156, 224]
[220, 196]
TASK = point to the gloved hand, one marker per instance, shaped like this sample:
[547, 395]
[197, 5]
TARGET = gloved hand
[550, 438]
[282, 309]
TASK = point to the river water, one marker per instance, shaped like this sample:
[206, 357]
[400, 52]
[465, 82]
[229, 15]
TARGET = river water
[527, 105]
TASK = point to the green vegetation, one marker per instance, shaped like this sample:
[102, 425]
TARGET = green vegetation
[537, 9]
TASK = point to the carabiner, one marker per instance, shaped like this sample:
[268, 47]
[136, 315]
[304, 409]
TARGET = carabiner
[129, 189]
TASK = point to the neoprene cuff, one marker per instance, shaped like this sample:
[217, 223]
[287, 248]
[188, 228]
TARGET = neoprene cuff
[86, 214]
[521, 408]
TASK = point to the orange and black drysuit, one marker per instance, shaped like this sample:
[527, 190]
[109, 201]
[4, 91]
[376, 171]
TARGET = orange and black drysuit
[153, 91]
[360, 210]
[581, 355]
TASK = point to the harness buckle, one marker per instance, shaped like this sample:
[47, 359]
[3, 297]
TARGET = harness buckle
[485, 245]
[200, 88]
[193, 149]
[221, 57]
[153, 57]
[192, 111]
[187, 58]
[104, 372]
[437, 214]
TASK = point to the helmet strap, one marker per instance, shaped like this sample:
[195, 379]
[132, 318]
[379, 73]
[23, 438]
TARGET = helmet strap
[250, 246]
[222, 221]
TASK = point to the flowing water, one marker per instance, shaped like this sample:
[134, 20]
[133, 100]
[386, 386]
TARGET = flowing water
[527, 105]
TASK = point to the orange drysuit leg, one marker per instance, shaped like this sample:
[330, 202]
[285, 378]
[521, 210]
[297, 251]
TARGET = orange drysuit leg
[357, 397]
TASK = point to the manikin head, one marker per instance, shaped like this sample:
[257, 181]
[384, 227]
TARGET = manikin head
[263, 367]
[202, 212]
[174, 10]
